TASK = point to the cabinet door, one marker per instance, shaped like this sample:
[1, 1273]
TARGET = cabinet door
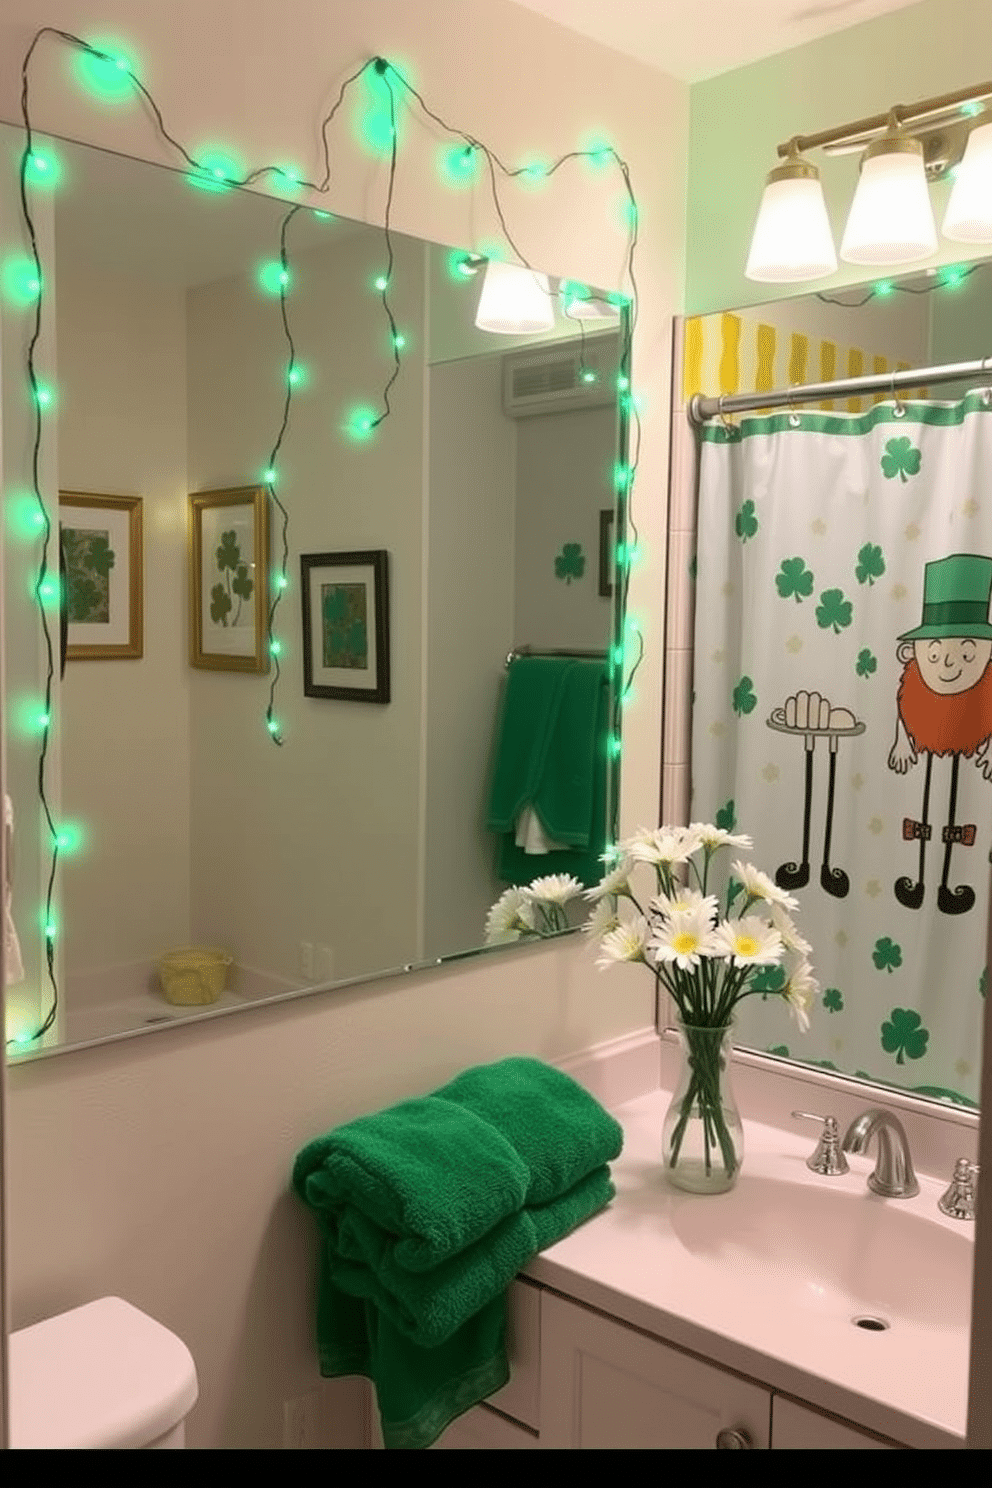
[797, 1426]
[604, 1385]
[483, 1430]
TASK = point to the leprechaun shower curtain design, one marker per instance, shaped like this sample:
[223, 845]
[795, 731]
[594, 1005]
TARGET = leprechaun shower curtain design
[843, 714]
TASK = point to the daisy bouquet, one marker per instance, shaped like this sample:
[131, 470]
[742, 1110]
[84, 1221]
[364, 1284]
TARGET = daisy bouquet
[534, 911]
[708, 951]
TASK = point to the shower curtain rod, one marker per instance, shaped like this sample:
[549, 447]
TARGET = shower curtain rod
[701, 409]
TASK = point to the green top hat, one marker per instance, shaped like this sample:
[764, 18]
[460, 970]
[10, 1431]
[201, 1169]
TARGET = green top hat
[956, 594]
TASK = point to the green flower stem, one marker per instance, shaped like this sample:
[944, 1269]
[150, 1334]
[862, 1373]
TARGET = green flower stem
[704, 1060]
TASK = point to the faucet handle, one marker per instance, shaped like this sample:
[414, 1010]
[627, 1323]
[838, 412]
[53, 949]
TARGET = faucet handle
[959, 1198]
[828, 1159]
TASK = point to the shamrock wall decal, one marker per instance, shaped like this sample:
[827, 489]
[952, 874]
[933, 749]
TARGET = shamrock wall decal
[901, 459]
[833, 1000]
[904, 1034]
[570, 563]
[866, 664]
[726, 817]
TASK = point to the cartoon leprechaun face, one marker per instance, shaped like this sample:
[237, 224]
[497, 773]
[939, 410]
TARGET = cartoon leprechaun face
[952, 663]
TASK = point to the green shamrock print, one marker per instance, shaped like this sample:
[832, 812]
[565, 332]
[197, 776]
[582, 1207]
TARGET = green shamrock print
[782, 1050]
[228, 554]
[241, 584]
[887, 955]
[768, 979]
[570, 563]
[901, 459]
[744, 699]
[794, 578]
[726, 817]
[866, 664]
[904, 1034]
[101, 556]
[746, 523]
[833, 1000]
[220, 604]
[834, 610]
[871, 564]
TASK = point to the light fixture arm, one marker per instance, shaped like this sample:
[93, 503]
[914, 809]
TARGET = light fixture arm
[901, 115]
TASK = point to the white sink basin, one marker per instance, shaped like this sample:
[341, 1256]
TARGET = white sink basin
[831, 1249]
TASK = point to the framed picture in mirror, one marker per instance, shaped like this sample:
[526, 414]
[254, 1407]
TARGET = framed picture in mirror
[606, 553]
[228, 579]
[346, 625]
[100, 561]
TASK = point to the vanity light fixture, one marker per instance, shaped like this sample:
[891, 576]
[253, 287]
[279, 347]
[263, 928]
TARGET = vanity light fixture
[969, 212]
[891, 220]
[514, 301]
[792, 241]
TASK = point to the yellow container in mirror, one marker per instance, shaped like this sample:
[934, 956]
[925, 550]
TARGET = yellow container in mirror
[194, 975]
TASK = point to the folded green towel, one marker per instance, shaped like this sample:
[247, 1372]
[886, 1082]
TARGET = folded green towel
[427, 1221]
[551, 755]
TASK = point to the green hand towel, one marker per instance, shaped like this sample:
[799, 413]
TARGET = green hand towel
[421, 1388]
[424, 1183]
[560, 1133]
[528, 713]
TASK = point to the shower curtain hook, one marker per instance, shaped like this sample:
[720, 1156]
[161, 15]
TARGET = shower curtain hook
[794, 418]
[725, 421]
[900, 408]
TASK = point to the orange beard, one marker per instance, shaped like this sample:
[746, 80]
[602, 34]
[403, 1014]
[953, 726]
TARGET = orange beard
[953, 724]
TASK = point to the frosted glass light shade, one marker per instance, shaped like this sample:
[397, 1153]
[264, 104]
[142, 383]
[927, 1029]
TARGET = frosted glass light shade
[969, 211]
[891, 219]
[514, 301]
[589, 309]
[792, 239]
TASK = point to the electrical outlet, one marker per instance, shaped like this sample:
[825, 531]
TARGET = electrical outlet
[301, 1422]
[306, 959]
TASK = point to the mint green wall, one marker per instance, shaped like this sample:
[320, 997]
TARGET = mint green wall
[737, 119]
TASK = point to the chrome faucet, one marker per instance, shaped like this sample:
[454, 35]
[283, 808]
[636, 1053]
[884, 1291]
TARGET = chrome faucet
[893, 1177]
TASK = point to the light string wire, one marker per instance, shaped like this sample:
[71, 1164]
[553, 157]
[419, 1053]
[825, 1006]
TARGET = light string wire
[630, 414]
[886, 288]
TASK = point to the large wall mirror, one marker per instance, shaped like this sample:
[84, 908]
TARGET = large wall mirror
[474, 525]
[842, 579]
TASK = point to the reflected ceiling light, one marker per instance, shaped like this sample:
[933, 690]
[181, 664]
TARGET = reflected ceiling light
[792, 241]
[587, 307]
[514, 301]
[891, 219]
[969, 212]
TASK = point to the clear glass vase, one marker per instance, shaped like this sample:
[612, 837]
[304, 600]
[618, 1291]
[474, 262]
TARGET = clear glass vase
[702, 1136]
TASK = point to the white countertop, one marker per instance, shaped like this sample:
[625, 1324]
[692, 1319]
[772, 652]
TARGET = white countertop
[633, 1261]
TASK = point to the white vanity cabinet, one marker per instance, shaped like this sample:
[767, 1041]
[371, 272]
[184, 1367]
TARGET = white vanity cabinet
[583, 1379]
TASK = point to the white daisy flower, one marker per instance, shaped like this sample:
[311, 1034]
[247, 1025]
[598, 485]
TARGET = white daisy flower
[684, 939]
[556, 888]
[750, 941]
[666, 845]
[791, 938]
[685, 899]
[758, 885]
[712, 837]
[617, 881]
[800, 993]
[625, 943]
[510, 917]
[603, 918]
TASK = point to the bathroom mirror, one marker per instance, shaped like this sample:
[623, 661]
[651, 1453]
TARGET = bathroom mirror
[842, 566]
[473, 522]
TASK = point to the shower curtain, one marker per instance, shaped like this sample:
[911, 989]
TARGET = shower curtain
[842, 712]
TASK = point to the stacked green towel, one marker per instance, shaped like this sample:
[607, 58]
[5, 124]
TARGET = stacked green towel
[428, 1210]
[551, 756]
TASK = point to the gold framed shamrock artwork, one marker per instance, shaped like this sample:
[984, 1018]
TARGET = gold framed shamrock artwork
[228, 579]
[101, 579]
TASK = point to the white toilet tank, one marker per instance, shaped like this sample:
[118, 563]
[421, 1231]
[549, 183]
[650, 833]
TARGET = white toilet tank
[102, 1375]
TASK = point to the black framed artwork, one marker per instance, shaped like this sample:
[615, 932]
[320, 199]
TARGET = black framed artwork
[345, 604]
[606, 553]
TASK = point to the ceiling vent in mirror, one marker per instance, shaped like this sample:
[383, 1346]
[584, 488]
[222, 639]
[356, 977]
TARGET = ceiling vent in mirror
[556, 379]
